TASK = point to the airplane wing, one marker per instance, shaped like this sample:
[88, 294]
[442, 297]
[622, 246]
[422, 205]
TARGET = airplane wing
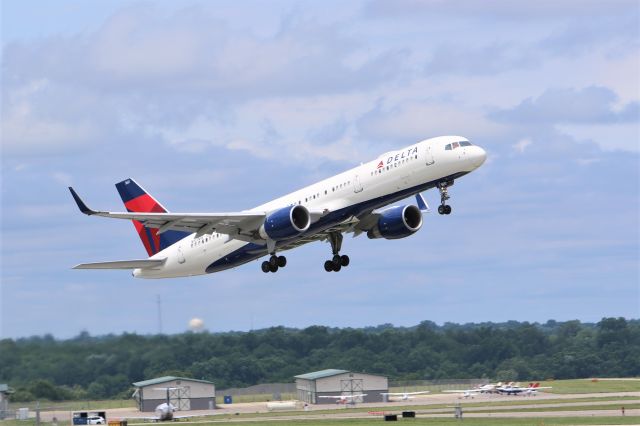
[122, 264]
[236, 224]
[404, 393]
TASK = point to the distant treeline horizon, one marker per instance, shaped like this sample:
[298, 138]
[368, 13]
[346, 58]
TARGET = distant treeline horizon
[98, 367]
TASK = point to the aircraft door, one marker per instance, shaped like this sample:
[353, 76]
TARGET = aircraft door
[181, 258]
[357, 186]
[429, 156]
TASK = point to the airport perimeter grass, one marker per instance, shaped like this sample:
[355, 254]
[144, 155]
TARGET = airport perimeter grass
[558, 386]
[592, 385]
[512, 421]
[75, 405]
[488, 405]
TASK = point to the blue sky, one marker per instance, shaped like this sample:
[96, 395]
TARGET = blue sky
[216, 106]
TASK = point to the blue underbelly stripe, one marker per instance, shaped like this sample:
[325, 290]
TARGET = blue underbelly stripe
[252, 251]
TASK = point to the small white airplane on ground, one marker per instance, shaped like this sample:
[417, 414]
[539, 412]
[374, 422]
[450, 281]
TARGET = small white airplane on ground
[187, 244]
[345, 399]
[470, 393]
[464, 393]
[512, 389]
[405, 395]
[166, 411]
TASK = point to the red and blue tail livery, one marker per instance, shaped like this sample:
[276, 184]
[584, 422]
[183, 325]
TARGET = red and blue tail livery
[137, 200]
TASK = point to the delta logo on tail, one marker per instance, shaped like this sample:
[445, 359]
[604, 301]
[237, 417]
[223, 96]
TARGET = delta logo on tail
[380, 164]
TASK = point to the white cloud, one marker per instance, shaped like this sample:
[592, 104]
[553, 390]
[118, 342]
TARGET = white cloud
[62, 178]
[521, 145]
[414, 120]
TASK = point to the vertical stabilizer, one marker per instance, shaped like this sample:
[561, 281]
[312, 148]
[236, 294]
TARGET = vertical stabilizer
[137, 200]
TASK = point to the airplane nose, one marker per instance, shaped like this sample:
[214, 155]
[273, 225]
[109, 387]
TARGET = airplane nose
[478, 156]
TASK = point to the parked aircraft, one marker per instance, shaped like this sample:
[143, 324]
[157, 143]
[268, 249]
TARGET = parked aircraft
[404, 395]
[512, 389]
[464, 393]
[166, 410]
[187, 244]
[345, 399]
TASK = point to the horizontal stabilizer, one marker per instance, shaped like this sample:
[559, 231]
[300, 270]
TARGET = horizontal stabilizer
[122, 264]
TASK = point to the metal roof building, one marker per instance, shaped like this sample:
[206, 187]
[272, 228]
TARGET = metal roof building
[332, 382]
[5, 390]
[186, 394]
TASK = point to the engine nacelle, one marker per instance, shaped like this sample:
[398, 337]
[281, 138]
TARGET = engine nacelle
[287, 222]
[397, 222]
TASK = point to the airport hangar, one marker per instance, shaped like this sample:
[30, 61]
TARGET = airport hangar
[311, 386]
[186, 394]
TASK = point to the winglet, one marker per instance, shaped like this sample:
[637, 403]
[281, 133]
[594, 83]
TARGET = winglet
[422, 203]
[81, 205]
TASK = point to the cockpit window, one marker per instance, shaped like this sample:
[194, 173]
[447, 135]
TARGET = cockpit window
[455, 145]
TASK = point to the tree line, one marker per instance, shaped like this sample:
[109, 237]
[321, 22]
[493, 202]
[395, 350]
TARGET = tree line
[89, 367]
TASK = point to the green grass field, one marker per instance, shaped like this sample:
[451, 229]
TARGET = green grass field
[467, 421]
[75, 405]
[559, 386]
[592, 385]
[550, 421]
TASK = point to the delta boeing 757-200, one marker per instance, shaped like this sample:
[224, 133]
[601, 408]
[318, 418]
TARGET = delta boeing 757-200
[187, 244]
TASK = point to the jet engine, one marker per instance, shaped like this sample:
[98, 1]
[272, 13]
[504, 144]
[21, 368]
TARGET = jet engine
[287, 222]
[397, 222]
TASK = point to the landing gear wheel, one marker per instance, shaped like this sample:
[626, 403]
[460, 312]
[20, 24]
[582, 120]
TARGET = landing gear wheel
[282, 261]
[273, 268]
[337, 262]
[273, 260]
[265, 267]
[328, 266]
[443, 208]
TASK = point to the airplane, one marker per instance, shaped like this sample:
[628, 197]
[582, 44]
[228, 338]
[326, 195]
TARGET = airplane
[470, 393]
[344, 399]
[512, 389]
[404, 395]
[165, 411]
[188, 244]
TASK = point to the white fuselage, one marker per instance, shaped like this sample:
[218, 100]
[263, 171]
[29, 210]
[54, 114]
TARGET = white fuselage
[390, 177]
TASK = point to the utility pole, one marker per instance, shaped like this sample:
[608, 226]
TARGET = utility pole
[159, 301]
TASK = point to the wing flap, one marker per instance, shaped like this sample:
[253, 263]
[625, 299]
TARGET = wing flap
[123, 264]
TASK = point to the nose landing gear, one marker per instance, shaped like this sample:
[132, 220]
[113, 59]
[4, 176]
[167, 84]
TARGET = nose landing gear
[338, 261]
[443, 208]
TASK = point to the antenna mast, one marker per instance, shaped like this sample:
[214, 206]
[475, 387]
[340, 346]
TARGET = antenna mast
[159, 301]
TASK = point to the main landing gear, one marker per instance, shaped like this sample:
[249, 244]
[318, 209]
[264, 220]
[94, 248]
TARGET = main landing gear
[443, 208]
[337, 262]
[274, 263]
